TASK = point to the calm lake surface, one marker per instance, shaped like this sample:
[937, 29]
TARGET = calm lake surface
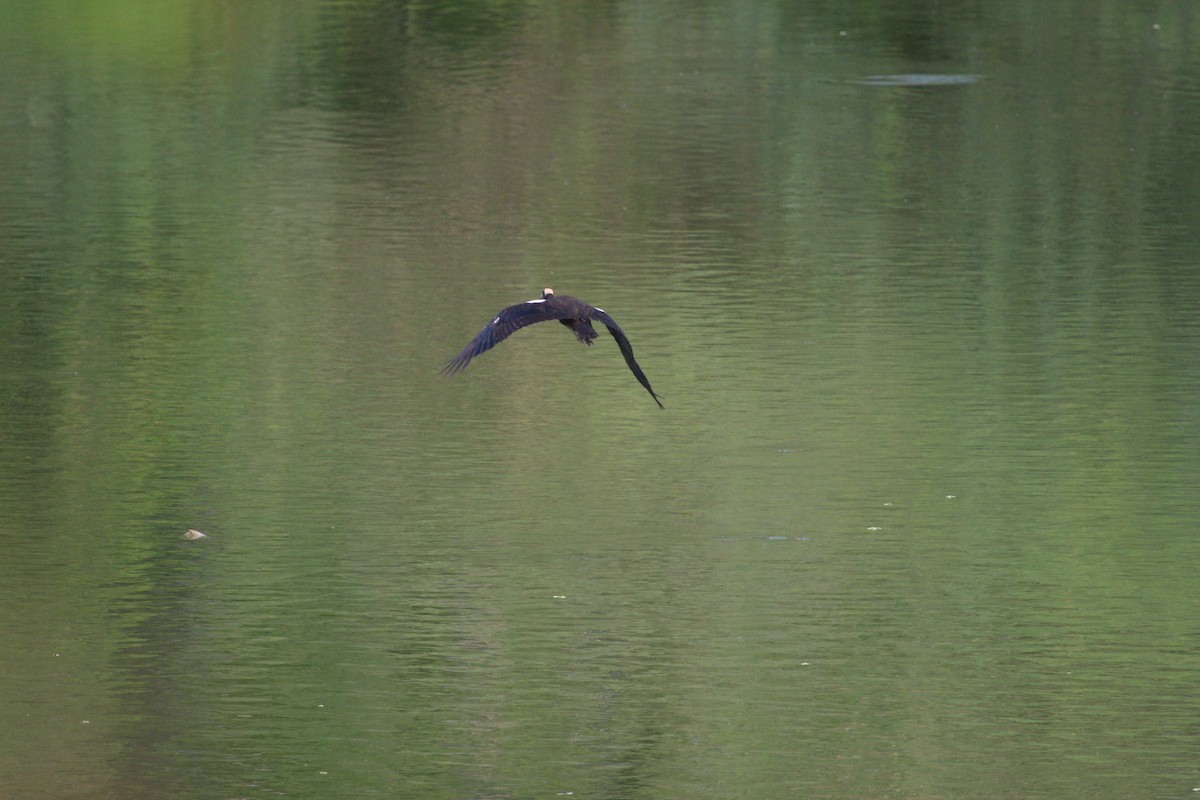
[919, 286]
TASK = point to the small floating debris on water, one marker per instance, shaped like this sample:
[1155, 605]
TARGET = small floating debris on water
[918, 79]
[951, 496]
[874, 528]
[194, 534]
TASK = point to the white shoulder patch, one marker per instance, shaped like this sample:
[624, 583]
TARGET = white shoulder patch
[542, 300]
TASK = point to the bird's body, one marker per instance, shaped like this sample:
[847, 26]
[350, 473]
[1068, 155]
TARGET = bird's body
[570, 311]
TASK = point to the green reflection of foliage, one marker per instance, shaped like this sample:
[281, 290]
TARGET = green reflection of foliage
[147, 32]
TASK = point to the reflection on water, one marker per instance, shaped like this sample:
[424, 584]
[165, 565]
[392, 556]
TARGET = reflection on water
[918, 518]
[918, 80]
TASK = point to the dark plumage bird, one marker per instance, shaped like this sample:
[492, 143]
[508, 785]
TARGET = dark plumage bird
[570, 311]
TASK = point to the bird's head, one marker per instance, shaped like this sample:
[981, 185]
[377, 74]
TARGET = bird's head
[547, 293]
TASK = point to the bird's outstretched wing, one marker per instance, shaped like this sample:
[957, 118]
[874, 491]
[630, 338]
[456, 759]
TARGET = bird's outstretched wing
[627, 351]
[505, 323]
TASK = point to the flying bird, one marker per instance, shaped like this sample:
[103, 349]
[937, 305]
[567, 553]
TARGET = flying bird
[570, 311]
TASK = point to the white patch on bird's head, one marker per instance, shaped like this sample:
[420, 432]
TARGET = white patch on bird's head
[547, 292]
